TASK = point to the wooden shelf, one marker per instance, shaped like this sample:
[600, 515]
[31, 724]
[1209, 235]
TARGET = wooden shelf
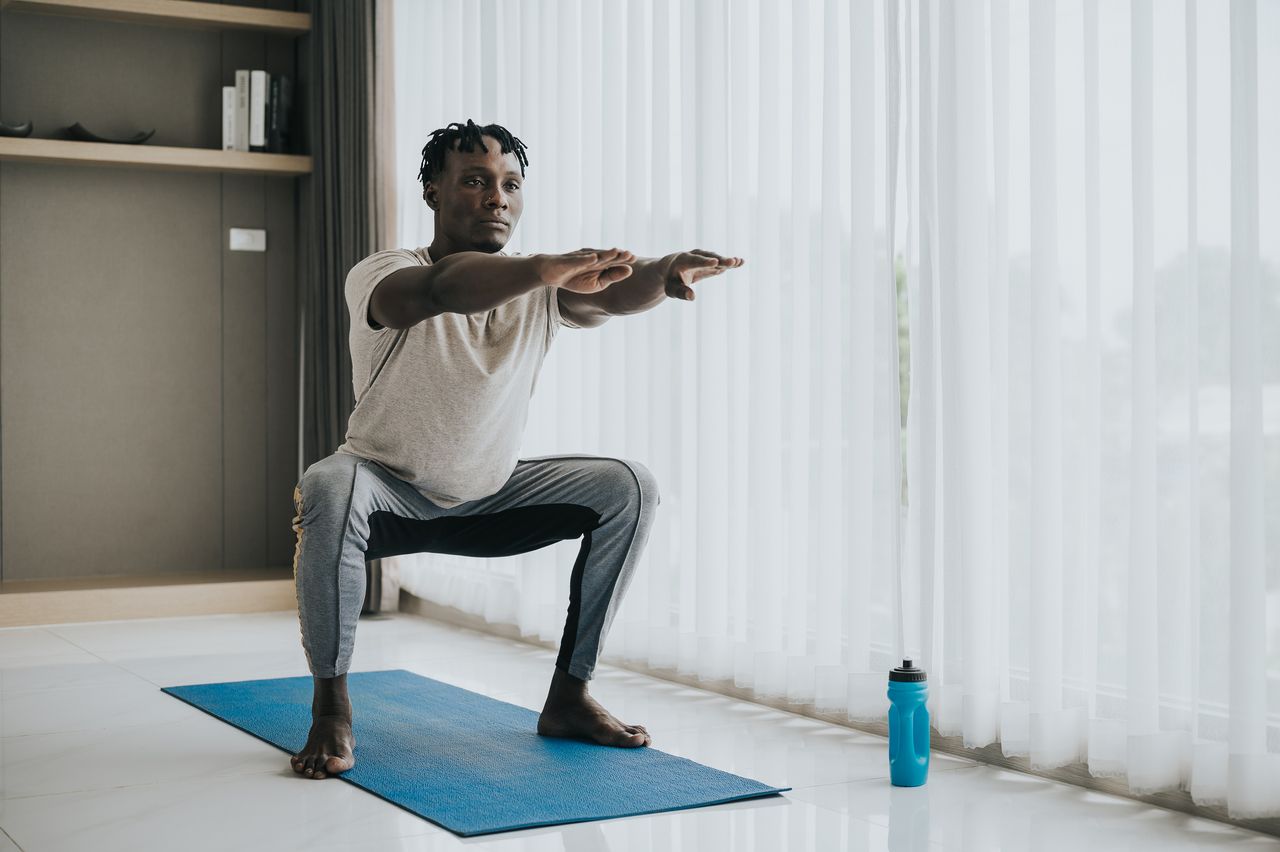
[174, 13]
[72, 152]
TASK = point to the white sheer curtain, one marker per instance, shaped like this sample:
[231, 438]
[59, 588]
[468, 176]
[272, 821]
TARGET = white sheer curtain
[1104, 594]
[1082, 202]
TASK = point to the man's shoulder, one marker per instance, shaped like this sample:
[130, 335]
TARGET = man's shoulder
[417, 255]
[381, 262]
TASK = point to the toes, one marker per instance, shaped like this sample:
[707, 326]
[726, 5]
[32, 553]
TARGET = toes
[630, 739]
[640, 730]
[321, 766]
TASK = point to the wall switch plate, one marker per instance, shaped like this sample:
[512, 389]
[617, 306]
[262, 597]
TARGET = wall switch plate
[248, 239]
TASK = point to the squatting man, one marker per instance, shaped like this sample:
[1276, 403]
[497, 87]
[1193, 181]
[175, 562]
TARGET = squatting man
[446, 345]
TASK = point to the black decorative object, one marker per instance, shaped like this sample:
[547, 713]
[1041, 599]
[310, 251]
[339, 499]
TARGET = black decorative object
[78, 131]
[19, 130]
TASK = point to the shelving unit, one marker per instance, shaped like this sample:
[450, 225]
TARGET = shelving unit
[177, 13]
[234, 578]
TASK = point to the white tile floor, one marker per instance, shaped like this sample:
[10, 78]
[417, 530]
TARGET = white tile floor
[94, 757]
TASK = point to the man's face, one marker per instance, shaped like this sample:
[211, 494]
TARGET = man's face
[477, 188]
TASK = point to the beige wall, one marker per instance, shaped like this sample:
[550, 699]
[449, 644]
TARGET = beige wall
[148, 376]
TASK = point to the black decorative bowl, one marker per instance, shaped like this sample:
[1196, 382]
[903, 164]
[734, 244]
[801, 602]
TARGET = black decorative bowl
[19, 130]
[79, 131]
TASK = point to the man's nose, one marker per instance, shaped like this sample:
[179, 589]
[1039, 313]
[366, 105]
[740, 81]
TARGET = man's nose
[497, 199]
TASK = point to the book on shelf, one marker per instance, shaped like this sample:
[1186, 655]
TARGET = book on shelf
[228, 118]
[256, 112]
[279, 107]
[242, 110]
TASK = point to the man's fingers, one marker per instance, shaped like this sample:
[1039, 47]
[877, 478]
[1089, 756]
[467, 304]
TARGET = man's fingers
[709, 254]
[697, 273]
[621, 257]
[606, 257]
[721, 260]
[616, 273]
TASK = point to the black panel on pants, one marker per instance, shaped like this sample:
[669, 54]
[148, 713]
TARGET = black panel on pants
[505, 533]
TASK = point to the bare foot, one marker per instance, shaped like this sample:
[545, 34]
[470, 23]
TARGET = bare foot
[571, 712]
[330, 747]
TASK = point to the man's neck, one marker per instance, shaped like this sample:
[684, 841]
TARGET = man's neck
[442, 247]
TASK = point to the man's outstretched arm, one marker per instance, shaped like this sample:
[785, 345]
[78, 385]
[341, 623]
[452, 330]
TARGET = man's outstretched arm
[652, 281]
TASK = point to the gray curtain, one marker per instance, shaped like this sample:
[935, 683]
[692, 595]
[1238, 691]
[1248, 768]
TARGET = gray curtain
[336, 106]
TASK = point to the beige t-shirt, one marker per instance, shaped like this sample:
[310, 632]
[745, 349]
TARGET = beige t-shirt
[443, 404]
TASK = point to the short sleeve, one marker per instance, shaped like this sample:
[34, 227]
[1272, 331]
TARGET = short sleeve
[364, 277]
[553, 309]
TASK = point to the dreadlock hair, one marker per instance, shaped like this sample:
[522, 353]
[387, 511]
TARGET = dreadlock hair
[468, 137]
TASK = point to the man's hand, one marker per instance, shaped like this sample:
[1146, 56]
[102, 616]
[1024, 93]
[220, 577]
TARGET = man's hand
[689, 266]
[585, 270]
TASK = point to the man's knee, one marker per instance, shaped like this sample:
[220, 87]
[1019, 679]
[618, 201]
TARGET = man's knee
[327, 481]
[640, 481]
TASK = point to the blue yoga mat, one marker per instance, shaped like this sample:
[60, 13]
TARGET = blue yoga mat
[468, 762]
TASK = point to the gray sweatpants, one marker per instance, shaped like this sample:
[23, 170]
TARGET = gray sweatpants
[350, 509]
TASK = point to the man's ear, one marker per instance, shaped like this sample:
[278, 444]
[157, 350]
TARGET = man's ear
[429, 196]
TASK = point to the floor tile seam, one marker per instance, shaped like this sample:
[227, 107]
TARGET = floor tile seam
[218, 776]
[33, 660]
[148, 654]
[144, 619]
[142, 678]
[93, 654]
[11, 840]
[118, 787]
[148, 724]
[135, 675]
[154, 723]
[10, 692]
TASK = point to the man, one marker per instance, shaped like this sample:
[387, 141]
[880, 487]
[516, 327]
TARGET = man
[446, 345]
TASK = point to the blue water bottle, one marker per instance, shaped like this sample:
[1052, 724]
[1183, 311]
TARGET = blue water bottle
[908, 726]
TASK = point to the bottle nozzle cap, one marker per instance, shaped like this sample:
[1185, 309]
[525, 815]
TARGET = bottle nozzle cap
[908, 673]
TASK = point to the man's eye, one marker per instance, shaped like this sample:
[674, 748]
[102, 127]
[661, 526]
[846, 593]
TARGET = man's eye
[514, 185]
[474, 180]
